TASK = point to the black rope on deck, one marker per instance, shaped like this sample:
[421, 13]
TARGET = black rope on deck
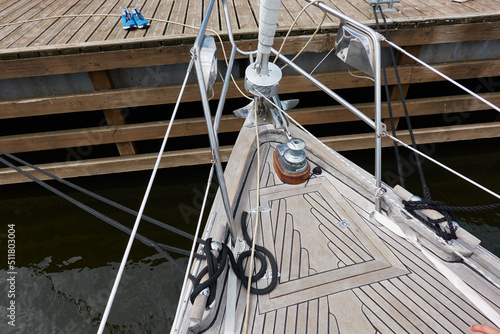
[215, 267]
[447, 212]
[448, 233]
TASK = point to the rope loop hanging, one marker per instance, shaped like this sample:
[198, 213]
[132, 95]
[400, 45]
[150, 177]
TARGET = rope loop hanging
[215, 266]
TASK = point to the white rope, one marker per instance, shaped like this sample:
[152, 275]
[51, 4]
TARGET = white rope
[182, 304]
[102, 325]
[359, 76]
[147, 18]
[322, 60]
[445, 167]
[441, 74]
[257, 214]
[290, 30]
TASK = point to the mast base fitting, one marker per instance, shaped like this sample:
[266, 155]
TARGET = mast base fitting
[263, 84]
[290, 164]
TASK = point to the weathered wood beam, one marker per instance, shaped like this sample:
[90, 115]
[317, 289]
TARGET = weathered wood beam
[101, 80]
[448, 33]
[174, 54]
[203, 155]
[119, 164]
[197, 126]
[133, 97]
[435, 135]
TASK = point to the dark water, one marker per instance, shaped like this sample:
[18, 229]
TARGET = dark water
[66, 259]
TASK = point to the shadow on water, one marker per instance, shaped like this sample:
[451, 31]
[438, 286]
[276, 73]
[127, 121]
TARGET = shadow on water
[67, 259]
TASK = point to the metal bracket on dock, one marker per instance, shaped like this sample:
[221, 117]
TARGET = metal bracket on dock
[389, 8]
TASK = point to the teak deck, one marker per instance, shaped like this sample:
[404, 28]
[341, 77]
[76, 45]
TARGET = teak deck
[340, 271]
[34, 26]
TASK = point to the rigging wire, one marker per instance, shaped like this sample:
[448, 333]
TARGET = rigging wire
[444, 76]
[98, 197]
[257, 214]
[444, 166]
[290, 29]
[148, 242]
[425, 189]
[182, 304]
[322, 60]
[143, 205]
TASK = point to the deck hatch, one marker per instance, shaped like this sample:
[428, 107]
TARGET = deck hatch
[319, 247]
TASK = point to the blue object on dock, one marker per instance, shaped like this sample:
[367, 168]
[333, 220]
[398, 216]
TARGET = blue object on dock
[127, 20]
[140, 21]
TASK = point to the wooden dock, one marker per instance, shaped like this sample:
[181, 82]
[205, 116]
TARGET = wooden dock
[63, 58]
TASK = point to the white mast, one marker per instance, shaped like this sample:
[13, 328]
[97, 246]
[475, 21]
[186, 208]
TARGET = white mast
[268, 21]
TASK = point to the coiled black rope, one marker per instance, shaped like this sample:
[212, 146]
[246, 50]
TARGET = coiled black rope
[447, 212]
[215, 266]
[447, 234]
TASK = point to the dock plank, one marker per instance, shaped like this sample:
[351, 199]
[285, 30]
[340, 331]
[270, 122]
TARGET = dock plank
[213, 22]
[109, 23]
[13, 31]
[71, 32]
[45, 26]
[232, 15]
[347, 7]
[116, 31]
[13, 11]
[28, 31]
[92, 23]
[245, 15]
[293, 9]
[317, 14]
[177, 18]
[76, 23]
[193, 17]
[59, 25]
[159, 18]
[5, 5]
